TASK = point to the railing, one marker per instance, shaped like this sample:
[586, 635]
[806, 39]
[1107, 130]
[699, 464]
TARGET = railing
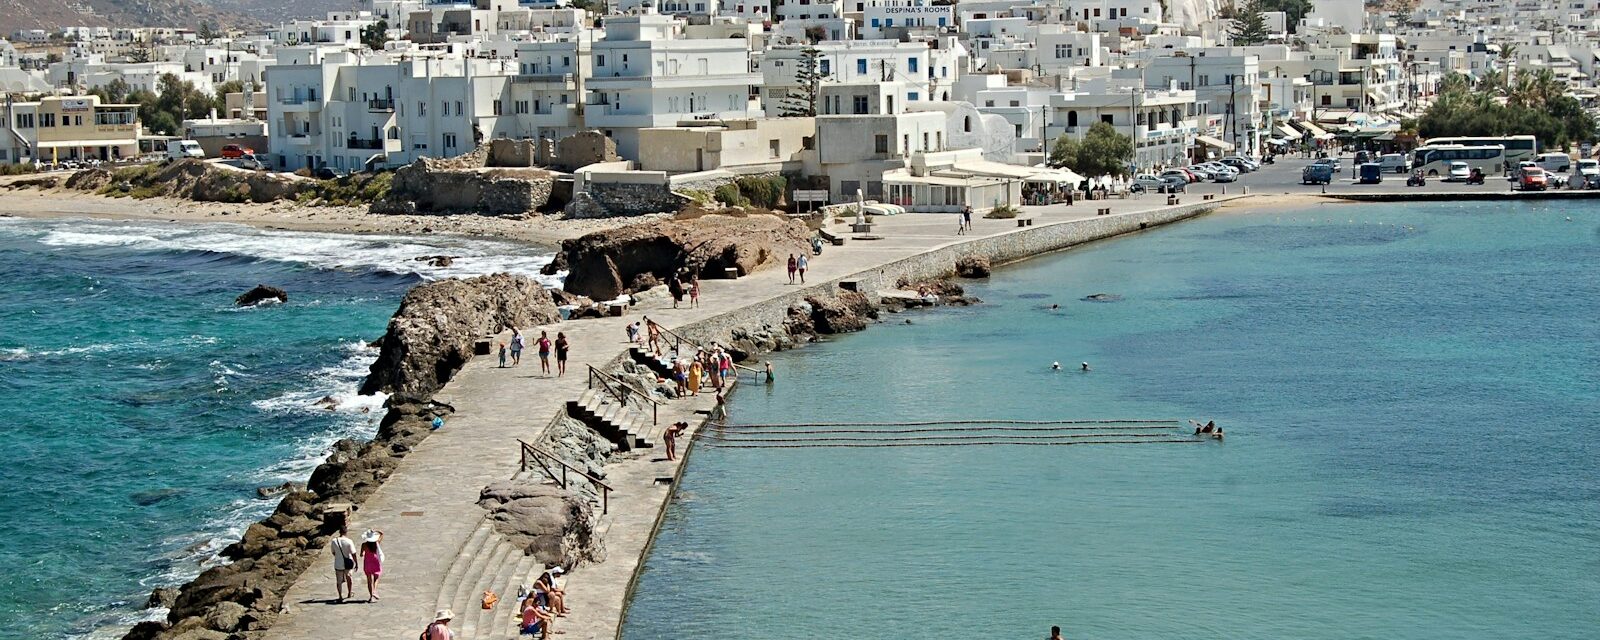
[679, 341]
[622, 392]
[381, 104]
[543, 458]
[362, 143]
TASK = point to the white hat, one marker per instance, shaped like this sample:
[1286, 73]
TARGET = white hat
[370, 536]
[557, 570]
[443, 614]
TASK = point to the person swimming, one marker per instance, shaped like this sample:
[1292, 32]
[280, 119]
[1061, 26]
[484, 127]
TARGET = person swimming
[1085, 366]
[1055, 366]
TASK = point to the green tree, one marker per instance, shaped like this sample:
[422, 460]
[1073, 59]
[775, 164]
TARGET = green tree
[1294, 9]
[1249, 25]
[1102, 152]
[376, 35]
[801, 102]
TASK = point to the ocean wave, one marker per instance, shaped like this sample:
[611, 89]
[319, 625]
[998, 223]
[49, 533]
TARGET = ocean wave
[25, 353]
[382, 253]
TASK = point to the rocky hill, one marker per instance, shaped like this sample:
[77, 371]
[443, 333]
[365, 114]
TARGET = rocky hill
[34, 14]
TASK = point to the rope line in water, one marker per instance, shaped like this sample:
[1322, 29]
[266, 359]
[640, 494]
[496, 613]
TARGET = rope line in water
[928, 423]
[1057, 436]
[945, 444]
[716, 429]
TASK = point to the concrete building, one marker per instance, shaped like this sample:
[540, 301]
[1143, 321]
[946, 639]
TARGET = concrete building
[880, 15]
[755, 145]
[1227, 83]
[646, 75]
[60, 128]
[1162, 124]
[864, 130]
[847, 62]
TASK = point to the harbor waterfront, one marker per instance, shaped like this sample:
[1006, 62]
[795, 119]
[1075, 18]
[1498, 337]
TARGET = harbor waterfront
[1408, 397]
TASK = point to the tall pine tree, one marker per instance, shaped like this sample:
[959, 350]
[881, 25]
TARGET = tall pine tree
[1249, 25]
[802, 100]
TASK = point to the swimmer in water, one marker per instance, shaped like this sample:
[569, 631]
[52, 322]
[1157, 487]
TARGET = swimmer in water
[1085, 366]
[1053, 307]
[1055, 366]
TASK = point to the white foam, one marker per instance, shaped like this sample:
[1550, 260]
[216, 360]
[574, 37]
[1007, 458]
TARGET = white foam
[391, 253]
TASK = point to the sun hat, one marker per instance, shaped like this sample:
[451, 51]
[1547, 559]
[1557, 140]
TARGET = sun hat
[370, 536]
[443, 614]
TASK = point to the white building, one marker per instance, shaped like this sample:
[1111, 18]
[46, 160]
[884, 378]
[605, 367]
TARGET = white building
[1162, 124]
[881, 15]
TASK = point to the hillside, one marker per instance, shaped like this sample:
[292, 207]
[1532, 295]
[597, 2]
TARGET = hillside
[35, 14]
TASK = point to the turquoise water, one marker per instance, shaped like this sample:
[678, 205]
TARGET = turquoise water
[145, 409]
[1413, 417]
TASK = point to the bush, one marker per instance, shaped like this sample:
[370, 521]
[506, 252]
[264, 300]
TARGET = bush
[1003, 212]
[18, 169]
[764, 192]
[729, 195]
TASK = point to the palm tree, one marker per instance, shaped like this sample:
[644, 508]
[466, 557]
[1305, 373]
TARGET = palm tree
[1508, 54]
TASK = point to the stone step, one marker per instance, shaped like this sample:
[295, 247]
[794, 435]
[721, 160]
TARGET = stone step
[503, 624]
[471, 601]
[468, 560]
[478, 619]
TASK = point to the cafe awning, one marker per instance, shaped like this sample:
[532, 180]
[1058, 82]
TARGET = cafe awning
[1213, 142]
[1289, 132]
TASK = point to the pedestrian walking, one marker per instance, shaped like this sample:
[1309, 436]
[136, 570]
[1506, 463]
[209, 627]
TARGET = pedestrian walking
[794, 265]
[694, 291]
[966, 217]
[344, 561]
[372, 561]
[561, 353]
[800, 265]
[516, 347]
[544, 351]
[654, 331]
[675, 287]
[503, 351]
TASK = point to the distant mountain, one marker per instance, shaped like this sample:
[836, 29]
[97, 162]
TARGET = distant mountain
[280, 10]
[55, 14]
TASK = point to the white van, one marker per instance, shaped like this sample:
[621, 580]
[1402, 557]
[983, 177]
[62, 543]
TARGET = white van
[180, 149]
[1557, 162]
[1396, 162]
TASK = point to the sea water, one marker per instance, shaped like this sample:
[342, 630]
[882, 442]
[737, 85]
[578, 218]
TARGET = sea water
[143, 409]
[1412, 413]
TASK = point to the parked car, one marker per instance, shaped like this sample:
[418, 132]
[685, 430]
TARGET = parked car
[1243, 164]
[1225, 176]
[1586, 175]
[1157, 184]
[1202, 173]
[1371, 173]
[1363, 157]
[181, 149]
[1533, 179]
[1458, 171]
[1184, 174]
[1554, 162]
[1217, 168]
[1316, 173]
[1396, 162]
[233, 151]
[247, 161]
[1331, 162]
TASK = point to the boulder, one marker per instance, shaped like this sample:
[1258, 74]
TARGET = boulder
[261, 293]
[161, 598]
[437, 261]
[554, 525]
[973, 267]
[847, 312]
[225, 616]
[605, 264]
[432, 334]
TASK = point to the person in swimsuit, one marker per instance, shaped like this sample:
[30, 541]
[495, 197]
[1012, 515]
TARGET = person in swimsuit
[536, 620]
[544, 351]
[670, 436]
[372, 561]
[1055, 634]
[694, 292]
[793, 266]
[561, 353]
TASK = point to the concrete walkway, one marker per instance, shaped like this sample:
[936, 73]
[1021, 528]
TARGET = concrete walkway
[427, 509]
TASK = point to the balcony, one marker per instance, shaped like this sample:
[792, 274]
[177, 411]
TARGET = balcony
[559, 80]
[363, 143]
[383, 105]
[302, 139]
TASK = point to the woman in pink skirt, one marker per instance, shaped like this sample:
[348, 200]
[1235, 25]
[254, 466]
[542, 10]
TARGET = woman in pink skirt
[372, 561]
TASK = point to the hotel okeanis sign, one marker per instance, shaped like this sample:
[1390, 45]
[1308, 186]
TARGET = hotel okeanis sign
[77, 105]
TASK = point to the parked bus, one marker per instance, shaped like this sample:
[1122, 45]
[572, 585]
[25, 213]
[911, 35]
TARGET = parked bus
[1434, 161]
[1518, 148]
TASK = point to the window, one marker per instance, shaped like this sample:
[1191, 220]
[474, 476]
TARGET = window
[47, 120]
[1014, 103]
[449, 140]
[1063, 51]
[912, 95]
[773, 147]
[911, 65]
[880, 143]
[966, 124]
[600, 61]
[24, 121]
[860, 105]
[1205, 80]
[458, 107]
[861, 65]
[497, 107]
[825, 66]
[422, 109]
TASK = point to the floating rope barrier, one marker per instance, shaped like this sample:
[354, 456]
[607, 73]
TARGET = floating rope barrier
[892, 443]
[929, 423]
[1056, 436]
[1117, 427]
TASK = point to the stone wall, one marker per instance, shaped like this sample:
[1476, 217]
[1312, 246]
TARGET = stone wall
[605, 200]
[430, 186]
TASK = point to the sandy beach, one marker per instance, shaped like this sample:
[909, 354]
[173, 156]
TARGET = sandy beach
[548, 230]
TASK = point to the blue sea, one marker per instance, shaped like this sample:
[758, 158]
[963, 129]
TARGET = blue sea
[145, 409]
[1412, 405]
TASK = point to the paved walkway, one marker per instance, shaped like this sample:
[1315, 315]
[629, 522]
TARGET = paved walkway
[428, 509]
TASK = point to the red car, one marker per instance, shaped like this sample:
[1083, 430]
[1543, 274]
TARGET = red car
[1533, 179]
[234, 152]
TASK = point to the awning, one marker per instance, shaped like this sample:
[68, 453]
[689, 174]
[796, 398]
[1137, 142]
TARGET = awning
[1289, 132]
[1213, 142]
[56, 144]
[1314, 130]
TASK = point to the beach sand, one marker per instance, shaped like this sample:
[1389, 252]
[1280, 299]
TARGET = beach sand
[548, 230]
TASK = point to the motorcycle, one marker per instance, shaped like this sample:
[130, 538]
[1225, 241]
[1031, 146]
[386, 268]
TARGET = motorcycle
[1268, 160]
[1416, 180]
[1476, 177]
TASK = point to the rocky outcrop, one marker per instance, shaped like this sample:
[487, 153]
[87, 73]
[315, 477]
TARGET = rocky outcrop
[973, 267]
[261, 293]
[554, 525]
[606, 264]
[195, 180]
[431, 337]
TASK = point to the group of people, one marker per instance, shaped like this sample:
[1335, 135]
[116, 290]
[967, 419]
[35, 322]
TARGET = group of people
[708, 366]
[347, 557]
[1210, 428]
[964, 221]
[538, 605]
[678, 287]
[797, 266]
[560, 345]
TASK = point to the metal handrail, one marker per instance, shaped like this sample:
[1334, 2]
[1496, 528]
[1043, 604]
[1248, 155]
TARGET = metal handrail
[606, 382]
[680, 340]
[540, 456]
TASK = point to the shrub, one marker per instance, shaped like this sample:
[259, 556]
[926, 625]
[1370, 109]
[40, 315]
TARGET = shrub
[730, 195]
[764, 192]
[18, 169]
[1003, 212]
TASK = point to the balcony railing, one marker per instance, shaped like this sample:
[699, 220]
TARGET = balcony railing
[363, 143]
[380, 105]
